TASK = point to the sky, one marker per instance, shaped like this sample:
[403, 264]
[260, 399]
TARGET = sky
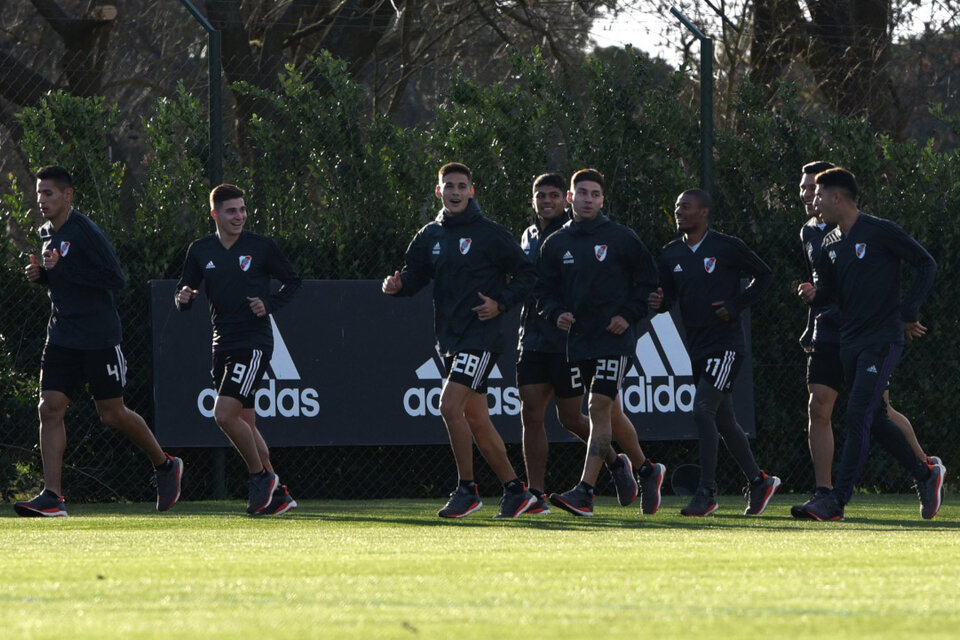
[658, 34]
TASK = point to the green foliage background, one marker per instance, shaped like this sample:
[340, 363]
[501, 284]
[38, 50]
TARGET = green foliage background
[343, 193]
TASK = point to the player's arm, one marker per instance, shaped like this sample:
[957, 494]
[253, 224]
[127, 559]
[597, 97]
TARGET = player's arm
[417, 270]
[548, 289]
[761, 277]
[280, 268]
[662, 298]
[190, 278]
[644, 279]
[913, 253]
[522, 275]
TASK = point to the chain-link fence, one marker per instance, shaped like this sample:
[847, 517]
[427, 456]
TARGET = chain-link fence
[343, 193]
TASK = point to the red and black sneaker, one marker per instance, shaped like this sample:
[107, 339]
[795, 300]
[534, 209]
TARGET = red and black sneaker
[46, 505]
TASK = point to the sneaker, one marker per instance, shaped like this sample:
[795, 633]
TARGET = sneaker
[759, 494]
[930, 492]
[513, 505]
[540, 507]
[46, 505]
[168, 483]
[703, 503]
[799, 510]
[262, 486]
[650, 489]
[280, 503]
[462, 503]
[624, 480]
[577, 501]
[824, 508]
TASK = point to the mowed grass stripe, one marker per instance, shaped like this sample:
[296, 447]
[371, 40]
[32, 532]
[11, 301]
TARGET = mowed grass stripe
[392, 569]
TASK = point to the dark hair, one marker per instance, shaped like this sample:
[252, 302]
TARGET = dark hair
[586, 174]
[839, 178]
[223, 192]
[550, 180]
[454, 167]
[702, 197]
[817, 166]
[59, 176]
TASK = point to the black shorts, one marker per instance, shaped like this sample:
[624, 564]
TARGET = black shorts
[719, 368]
[238, 373]
[470, 368]
[604, 375]
[539, 367]
[66, 370]
[824, 366]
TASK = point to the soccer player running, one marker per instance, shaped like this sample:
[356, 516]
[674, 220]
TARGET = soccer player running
[81, 272]
[235, 267]
[821, 342]
[702, 272]
[478, 272]
[543, 371]
[859, 269]
[595, 276]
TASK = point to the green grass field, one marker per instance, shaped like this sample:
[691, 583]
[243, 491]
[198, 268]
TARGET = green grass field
[392, 569]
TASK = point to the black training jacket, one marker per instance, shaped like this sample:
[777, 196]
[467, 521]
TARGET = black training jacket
[823, 322]
[537, 333]
[861, 273]
[595, 269]
[81, 285]
[697, 279]
[231, 275]
[464, 255]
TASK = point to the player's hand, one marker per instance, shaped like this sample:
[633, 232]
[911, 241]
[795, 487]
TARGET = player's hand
[186, 294]
[565, 321]
[256, 305]
[655, 299]
[806, 291]
[721, 311]
[392, 284]
[618, 325]
[914, 330]
[488, 309]
[50, 259]
[33, 269]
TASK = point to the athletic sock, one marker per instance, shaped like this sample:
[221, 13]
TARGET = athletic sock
[514, 486]
[469, 485]
[617, 464]
[165, 465]
[645, 469]
[52, 494]
[586, 487]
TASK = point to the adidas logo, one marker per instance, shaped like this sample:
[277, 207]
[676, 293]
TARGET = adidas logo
[419, 401]
[677, 269]
[662, 356]
[567, 258]
[210, 265]
[872, 368]
[288, 401]
[436, 249]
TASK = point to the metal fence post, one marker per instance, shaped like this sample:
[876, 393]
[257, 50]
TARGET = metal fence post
[215, 174]
[706, 101]
[215, 159]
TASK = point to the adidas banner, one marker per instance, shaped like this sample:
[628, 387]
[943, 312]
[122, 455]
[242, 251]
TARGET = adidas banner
[352, 366]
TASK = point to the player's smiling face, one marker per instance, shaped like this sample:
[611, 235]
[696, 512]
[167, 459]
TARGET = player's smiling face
[455, 190]
[689, 214]
[807, 190]
[230, 217]
[548, 202]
